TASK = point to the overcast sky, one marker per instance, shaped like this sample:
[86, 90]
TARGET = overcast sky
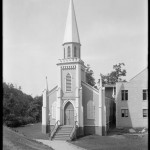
[111, 31]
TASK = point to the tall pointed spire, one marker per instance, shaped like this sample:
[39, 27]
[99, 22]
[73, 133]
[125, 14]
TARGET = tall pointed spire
[71, 32]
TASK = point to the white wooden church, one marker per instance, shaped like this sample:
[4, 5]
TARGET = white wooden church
[73, 107]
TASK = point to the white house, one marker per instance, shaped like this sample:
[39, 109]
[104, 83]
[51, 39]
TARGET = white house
[132, 101]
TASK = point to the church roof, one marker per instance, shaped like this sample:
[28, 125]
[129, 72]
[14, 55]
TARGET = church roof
[71, 31]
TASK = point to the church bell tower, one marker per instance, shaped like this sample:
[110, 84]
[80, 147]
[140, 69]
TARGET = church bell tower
[71, 41]
[71, 74]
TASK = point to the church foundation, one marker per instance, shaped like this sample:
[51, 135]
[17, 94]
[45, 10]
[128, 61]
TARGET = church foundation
[89, 130]
[47, 128]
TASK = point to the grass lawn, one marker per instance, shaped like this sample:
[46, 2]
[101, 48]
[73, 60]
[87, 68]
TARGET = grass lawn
[33, 131]
[113, 142]
[15, 141]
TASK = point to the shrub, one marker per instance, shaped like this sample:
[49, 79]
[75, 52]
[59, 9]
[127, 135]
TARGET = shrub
[13, 123]
[28, 120]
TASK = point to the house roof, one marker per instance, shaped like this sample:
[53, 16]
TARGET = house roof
[110, 85]
[138, 74]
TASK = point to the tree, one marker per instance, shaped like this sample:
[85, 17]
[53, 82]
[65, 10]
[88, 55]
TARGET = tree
[19, 88]
[18, 107]
[115, 75]
[89, 76]
[35, 109]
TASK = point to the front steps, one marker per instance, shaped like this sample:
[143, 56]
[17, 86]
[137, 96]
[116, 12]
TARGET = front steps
[63, 133]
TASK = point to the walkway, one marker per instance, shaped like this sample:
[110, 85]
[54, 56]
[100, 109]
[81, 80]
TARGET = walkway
[60, 145]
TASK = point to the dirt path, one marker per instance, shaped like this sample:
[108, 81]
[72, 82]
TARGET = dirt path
[16, 141]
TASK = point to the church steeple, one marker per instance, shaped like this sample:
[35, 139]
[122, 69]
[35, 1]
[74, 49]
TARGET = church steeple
[71, 32]
[71, 41]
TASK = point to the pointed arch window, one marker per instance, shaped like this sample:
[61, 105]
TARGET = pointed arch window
[68, 83]
[75, 51]
[69, 52]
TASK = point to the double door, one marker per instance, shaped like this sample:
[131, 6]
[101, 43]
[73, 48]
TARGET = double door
[69, 114]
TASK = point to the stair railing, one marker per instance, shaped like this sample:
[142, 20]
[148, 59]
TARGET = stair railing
[54, 129]
[73, 132]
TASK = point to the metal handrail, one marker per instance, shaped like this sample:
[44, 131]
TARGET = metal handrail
[73, 132]
[54, 129]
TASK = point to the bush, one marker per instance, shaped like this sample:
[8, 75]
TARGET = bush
[13, 121]
[21, 121]
[28, 120]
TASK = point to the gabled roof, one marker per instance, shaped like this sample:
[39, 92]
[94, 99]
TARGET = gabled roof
[49, 92]
[71, 31]
[90, 87]
[138, 74]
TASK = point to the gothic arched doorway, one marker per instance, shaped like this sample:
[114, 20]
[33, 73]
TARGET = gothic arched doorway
[69, 114]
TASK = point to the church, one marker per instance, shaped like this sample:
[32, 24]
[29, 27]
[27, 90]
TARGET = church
[73, 107]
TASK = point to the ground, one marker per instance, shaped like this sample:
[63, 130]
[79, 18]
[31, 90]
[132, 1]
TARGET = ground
[114, 140]
[15, 141]
[33, 131]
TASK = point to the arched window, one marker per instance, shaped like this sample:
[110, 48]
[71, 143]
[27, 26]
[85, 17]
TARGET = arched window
[69, 52]
[54, 110]
[68, 82]
[90, 110]
[75, 51]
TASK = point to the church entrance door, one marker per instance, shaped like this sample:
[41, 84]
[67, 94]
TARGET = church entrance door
[69, 114]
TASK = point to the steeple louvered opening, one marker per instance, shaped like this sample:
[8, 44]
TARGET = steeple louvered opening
[71, 50]
[75, 51]
[68, 52]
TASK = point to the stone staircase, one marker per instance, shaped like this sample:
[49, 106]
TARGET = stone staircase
[63, 133]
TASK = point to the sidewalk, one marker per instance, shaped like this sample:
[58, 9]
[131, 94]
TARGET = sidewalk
[60, 145]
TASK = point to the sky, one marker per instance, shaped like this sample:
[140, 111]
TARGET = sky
[111, 32]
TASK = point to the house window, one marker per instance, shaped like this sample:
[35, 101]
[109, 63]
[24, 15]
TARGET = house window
[90, 110]
[124, 112]
[124, 94]
[54, 110]
[75, 52]
[145, 95]
[145, 113]
[68, 82]
[69, 52]
[114, 92]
